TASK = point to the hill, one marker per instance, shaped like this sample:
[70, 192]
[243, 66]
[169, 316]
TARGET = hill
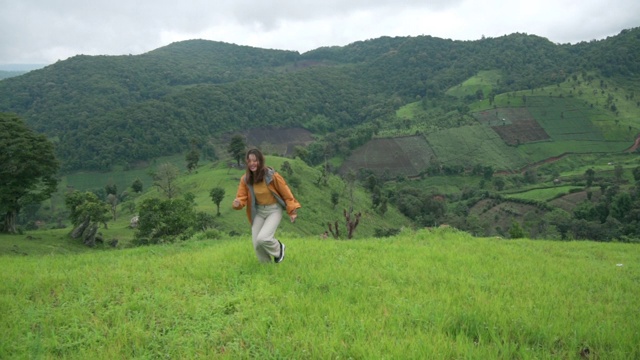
[108, 111]
[313, 189]
[427, 294]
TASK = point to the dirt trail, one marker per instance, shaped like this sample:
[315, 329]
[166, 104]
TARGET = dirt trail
[533, 165]
[635, 145]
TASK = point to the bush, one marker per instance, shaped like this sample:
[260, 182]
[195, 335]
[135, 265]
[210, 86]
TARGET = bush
[165, 221]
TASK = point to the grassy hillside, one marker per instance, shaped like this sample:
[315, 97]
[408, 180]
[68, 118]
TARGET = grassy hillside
[429, 294]
[317, 209]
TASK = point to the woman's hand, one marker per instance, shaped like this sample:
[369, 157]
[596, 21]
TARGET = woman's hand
[236, 202]
[293, 216]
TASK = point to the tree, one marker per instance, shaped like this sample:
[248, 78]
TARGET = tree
[516, 231]
[286, 168]
[530, 176]
[499, 183]
[28, 169]
[335, 198]
[136, 186]
[111, 188]
[237, 147]
[590, 175]
[85, 207]
[192, 158]
[217, 194]
[165, 179]
[487, 172]
[164, 220]
[86, 212]
[618, 172]
[561, 220]
[112, 200]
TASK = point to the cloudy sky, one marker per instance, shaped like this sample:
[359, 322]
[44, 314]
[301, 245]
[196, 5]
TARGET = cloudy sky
[44, 31]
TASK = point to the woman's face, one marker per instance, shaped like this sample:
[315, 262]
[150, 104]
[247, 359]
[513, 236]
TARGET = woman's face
[252, 163]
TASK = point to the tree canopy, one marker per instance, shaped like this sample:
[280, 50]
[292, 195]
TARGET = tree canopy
[28, 169]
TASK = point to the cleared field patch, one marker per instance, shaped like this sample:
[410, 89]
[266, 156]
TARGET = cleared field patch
[564, 118]
[514, 125]
[501, 214]
[545, 194]
[535, 152]
[407, 155]
[279, 141]
[483, 81]
[570, 201]
[471, 145]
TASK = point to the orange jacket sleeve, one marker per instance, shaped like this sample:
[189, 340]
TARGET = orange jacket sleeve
[242, 194]
[285, 193]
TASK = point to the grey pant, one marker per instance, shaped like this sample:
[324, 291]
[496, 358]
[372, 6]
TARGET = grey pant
[263, 231]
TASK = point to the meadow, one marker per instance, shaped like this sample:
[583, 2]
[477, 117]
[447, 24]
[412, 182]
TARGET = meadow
[430, 294]
[543, 194]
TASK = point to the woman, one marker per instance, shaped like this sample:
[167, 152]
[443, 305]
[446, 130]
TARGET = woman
[265, 194]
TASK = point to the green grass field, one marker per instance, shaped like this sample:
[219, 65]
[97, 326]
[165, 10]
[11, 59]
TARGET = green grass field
[431, 294]
[542, 194]
[484, 80]
[470, 145]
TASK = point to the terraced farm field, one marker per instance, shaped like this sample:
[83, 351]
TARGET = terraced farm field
[564, 118]
[407, 155]
[514, 125]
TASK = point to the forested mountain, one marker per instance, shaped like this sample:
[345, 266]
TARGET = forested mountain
[108, 110]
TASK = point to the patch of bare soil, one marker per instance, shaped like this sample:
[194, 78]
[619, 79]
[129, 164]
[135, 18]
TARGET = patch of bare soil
[498, 216]
[278, 141]
[570, 201]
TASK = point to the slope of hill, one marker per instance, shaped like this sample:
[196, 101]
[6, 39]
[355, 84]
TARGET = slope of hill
[308, 184]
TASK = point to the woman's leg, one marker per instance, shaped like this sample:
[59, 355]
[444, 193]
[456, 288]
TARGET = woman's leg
[263, 232]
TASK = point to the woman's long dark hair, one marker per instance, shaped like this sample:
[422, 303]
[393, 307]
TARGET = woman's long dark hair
[260, 172]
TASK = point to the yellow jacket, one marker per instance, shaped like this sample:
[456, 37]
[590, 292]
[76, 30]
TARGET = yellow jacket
[278, 187]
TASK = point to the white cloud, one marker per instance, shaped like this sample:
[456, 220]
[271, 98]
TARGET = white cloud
[43, 31]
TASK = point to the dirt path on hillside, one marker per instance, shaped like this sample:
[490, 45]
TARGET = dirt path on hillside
[635, 145]
[534, 165]
[632, 148]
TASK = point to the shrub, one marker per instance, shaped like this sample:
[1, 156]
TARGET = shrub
[164, 221]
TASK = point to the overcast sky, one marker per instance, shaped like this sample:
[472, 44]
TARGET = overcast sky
[44, 31]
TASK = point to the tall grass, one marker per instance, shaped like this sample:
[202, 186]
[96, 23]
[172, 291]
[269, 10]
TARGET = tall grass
[427, 294]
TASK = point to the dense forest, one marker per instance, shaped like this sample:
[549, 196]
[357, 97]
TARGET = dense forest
[103, 111]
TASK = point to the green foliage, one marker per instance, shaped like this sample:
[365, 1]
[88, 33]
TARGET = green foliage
[163, 221]
[86, 206]
[165, 179]
[137, 185]
[204, 221]
[192, 158]
[28, 169]
[217, 195]
[426, 209]
[516, 231]
[237, 148]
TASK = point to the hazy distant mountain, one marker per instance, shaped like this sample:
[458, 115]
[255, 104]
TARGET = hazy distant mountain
[21, 67]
